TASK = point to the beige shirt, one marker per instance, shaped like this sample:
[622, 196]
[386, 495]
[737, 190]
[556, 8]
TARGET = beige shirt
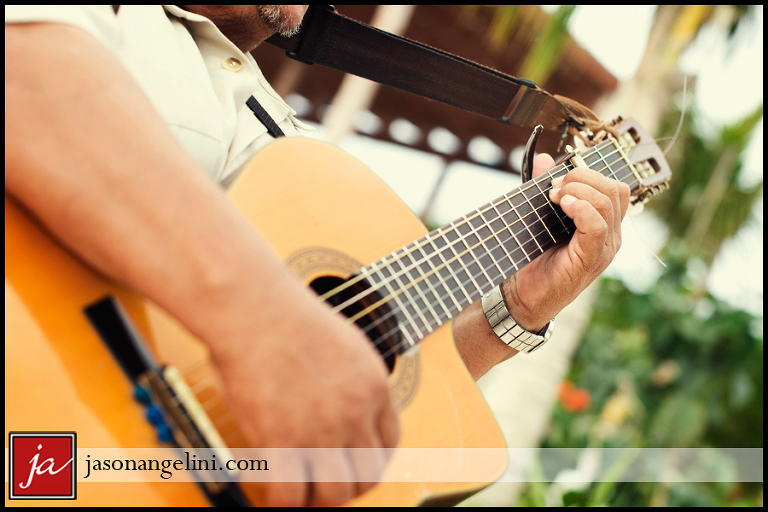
[196, 78]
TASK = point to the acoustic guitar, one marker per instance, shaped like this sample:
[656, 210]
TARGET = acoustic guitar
[360, 248]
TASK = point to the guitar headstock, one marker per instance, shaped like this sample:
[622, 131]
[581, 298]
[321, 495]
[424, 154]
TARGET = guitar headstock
[649, 165]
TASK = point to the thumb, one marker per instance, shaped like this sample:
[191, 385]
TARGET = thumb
[542, 163]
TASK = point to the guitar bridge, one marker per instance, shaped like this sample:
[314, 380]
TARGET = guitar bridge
[172, 407]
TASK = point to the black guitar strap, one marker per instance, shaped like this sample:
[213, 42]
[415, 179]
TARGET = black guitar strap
[330, 39]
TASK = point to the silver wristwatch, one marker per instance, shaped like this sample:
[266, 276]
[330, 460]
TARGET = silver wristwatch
[507, 329]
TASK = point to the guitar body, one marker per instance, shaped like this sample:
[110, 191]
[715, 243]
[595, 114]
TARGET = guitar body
[324, 214]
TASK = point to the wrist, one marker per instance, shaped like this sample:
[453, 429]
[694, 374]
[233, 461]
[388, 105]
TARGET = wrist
[508, 329]
[526, 318]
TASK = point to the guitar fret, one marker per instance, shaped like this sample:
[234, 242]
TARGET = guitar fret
[482, 253]
[446, 264]
[423, 301]
[413, 287]
[457, 261]
[552, 207]
[464, 254]
[498, 227]
[541, 221]
[511, 218]
[402, 290]
[432, 280]
[607, 166]
[412, 339]
[528, 232]
[408, 309]
[402, 313]
[591, 158]
[452, 265]
[426, 269]
[477, 250]
[535, 220]
[437, 268]
[419, 272]
[423, 284]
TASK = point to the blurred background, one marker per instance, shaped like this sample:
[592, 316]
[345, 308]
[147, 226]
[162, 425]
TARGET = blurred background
[666, 349]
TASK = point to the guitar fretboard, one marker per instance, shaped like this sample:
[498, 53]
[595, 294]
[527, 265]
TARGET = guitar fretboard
[431, 280]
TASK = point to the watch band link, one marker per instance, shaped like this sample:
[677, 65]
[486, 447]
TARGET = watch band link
[507, 329]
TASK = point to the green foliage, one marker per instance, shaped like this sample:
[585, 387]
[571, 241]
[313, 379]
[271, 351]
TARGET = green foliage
[705, 204]
[665, 368]
[689, 360]
[672, 367]
[546, 50]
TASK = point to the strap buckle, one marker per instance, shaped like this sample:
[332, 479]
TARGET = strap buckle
[523, 106]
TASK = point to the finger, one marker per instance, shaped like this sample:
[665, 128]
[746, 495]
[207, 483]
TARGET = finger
[332, 478]
[290, 480]
[389, 426]
[368, 459]
[607, 209]
[592, 231]
[367, 465]
[371, 459]
[617, 191]
[542, 163]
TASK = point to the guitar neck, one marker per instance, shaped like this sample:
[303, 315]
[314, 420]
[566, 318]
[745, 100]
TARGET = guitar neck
[429, 281]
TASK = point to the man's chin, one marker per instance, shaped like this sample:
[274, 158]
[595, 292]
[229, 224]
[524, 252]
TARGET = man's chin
[283, 19]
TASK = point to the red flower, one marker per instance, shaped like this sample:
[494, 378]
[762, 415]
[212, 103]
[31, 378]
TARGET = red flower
[573, 399]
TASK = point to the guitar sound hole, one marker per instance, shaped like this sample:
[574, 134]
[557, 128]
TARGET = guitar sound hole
[379, 324]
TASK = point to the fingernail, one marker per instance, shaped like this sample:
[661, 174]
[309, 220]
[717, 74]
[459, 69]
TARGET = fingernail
[557, 181]
[552, 192]
[566, 200]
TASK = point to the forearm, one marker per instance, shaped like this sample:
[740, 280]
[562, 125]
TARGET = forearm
[480, 348]
[89, 157]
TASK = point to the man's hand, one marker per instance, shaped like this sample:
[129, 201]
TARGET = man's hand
[312, 382]
[597, 205]
[537, 293]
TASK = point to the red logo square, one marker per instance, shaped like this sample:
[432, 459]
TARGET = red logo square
[42, 465]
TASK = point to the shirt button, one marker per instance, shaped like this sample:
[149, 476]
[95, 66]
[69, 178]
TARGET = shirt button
[232, 64]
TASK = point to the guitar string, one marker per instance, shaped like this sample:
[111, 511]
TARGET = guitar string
[682, 118]
[398, 274]
[427, 324]
[466, 220]
[450, 291]
[203, 383]
[425, 241]
[226, 418]
[398, 346]
[482, 241]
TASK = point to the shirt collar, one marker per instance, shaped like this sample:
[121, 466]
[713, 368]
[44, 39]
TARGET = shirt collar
[181, 13]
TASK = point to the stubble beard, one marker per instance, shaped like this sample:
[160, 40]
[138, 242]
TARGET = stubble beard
[282, 22]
